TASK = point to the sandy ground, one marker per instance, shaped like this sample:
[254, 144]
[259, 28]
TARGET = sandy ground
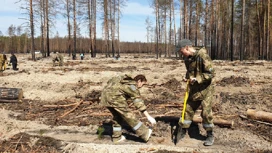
[42, 82]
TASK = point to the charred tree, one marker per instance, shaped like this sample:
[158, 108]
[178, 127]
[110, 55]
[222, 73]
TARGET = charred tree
[32, 30]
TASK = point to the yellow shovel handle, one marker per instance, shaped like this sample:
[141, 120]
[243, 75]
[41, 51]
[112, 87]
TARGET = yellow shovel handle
[185, 101]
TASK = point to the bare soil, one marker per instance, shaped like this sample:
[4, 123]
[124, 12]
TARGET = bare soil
[60, 111]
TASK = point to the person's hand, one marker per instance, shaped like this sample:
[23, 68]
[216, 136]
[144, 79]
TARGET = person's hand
[184, 80]
[193, 80]
[151, 120]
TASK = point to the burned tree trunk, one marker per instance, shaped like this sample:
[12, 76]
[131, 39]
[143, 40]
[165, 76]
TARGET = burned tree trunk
[11, 94]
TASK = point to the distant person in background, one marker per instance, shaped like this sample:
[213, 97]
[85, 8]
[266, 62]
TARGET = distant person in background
[13, 60]
[74, 56]
[58, 59]
[117, 57]
[3, 61]
[82, 56]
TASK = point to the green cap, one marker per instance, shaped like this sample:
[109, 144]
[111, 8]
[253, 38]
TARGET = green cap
[183, 43]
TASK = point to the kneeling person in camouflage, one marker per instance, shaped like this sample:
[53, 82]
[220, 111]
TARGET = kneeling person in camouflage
[115, 95]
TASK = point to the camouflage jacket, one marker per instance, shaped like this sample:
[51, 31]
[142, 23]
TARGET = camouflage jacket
[118, 90]
[200, 66]
[1, 58]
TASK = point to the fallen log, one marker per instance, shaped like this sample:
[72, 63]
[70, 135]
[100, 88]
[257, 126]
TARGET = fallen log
[11, 95]
[216, 121]
[196, 119]
[244, 117]
[8, 101]
[259, 115]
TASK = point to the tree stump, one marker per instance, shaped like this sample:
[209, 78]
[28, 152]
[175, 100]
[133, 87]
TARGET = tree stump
[11, 94]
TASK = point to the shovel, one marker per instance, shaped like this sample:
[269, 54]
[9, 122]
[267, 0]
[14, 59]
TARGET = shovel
[177, 134]
[185, 101]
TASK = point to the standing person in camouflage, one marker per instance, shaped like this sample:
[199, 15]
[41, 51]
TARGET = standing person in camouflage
[114, 96]
[200, 74]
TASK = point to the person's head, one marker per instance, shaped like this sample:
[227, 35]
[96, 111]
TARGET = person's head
[185, 47]
[140, 80]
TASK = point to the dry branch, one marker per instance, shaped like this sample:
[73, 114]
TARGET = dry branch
[59, 106]
[169, 105]
[100, 114]
[71, 109]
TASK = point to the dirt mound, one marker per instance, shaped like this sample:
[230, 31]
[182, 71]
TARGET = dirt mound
[172, 84]
[25, 143]
[235, 81]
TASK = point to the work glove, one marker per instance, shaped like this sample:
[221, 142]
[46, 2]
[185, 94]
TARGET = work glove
[184, 79]
[151, 120]
[193, 80]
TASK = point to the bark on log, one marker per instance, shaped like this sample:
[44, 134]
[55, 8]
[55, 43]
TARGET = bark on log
[216, 121]
[196, 119]
[259, 115]
[11, 94]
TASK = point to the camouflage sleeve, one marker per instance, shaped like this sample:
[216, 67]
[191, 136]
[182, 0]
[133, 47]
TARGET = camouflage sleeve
[134, 94]
[207, 71]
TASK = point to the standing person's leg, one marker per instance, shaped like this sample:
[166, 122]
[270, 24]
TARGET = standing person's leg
[14, 66]
[207, 116]
[5, 65]
[189, 114]
[140, 129]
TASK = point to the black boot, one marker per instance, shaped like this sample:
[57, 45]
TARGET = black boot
[210, 139]
[181, 132]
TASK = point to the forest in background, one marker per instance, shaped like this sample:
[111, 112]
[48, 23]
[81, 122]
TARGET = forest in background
[229, 29]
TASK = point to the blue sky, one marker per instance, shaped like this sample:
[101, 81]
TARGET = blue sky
[132, 24]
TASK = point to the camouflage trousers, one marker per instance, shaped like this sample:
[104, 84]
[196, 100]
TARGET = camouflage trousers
[121, 115]
[206, 114]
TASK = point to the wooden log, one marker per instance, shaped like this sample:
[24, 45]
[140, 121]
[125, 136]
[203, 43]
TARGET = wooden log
[11, 94]
[198, 119]
[216, 121]
[259, 115]
[9, 101]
